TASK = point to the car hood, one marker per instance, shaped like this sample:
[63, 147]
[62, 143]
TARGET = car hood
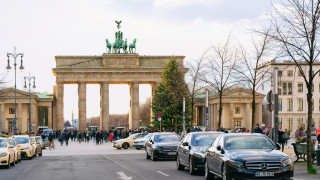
[257, 155]
[162, 144]
[200, 149]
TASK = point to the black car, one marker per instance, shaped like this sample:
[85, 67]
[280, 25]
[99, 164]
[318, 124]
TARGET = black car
[192, 149]
[246, 156]
[162, 145]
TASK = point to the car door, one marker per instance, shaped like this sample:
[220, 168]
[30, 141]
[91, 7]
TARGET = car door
[149, 145]
[211, 153]
[218, 157]
[183, 150]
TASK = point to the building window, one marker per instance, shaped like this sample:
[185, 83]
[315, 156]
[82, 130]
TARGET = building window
[300, 87]
[237, 110]
[300, 104]
[289, 124]
[289, 105]
[289, 88]
[279, 73]
[280, 121]
[280, 104]
[289, 73]
[279, 91]
[11, 110]
[284, 88]
[300, 121]
[237, 124]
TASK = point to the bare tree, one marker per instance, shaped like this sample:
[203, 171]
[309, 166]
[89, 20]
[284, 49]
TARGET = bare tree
[248, 70]
[194, 81]
[145, 112]
[295, 25]
[219, 66]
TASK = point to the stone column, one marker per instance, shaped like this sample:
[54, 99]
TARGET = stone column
[59, 106]
[104, 106]
[259, 114]
[19, 117]
[247, 116]
[229, 123]
[50, 117]
[153, 87]
[82, 93]
[34, 116]
[2, 117]
[134, 116]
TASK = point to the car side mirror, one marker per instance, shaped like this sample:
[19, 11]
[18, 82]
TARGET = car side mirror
[278, 146]
[11, 146]
[219, 148]
[151, 141]
[185, 144]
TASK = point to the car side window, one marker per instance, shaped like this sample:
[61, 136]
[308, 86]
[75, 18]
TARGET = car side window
[219, 142]
[186, 138]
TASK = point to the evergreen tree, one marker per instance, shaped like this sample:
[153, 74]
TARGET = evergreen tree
[168, 98]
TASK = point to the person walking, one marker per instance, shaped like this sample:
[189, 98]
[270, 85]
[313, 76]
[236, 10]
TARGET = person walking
[281, 139]
[111, 137]
[257, 129]
[97, 138]
[67, 136]
[61, 139]
[94, 136]
[101, 136]
[79, 137]
[50, 138]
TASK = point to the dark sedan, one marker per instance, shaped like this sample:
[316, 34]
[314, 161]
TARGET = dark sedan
[246, 156]
[162, 145]
[192, 149]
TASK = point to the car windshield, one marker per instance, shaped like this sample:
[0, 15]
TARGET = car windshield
[38, 138]
[3, 143]
[166, 137]
[148, 136]
[203, 139]
[248, 142]
[22, 140]
[132, 136]
[11, 142]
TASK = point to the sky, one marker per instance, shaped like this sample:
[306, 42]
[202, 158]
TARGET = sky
[43, 29]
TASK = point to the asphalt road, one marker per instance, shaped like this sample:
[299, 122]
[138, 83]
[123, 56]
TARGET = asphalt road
[96, 167]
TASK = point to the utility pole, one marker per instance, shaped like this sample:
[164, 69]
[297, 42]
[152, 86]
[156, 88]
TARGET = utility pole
[207, 109]
[276, 104]
[184, 115]
[29, 78]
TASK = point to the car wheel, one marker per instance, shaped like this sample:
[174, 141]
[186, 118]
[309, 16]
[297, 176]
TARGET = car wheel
[152, 157]
[8, 166]
[147, 155]
[118, 148]
[225, 175]
[179, 165]
[14, 161]
[192, 171]
[138, 148]
[125, 145]
[207, 173]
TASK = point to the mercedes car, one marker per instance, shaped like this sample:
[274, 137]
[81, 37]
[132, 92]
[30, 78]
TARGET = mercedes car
[192, 149]
[27, 149]
[7, 156]
[246, 156]
[162, 145]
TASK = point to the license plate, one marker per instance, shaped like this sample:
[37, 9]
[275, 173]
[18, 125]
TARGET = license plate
[266, 174]
[171, 153]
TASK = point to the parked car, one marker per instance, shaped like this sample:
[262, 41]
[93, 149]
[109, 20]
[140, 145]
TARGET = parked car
[141, 143]
[162, 145]
[26, 146]
[43, 142]
[246, 156]
[37, 145]
[16, 148]
[192, 149]
[128, 142]
[7, 156]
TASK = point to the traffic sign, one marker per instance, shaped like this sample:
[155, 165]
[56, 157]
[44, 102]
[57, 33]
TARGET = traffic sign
[159, 114]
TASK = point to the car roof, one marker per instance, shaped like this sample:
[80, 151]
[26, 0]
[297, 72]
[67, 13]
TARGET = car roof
[242, 134]
[21, 136]
[206, 132]
[164, 133]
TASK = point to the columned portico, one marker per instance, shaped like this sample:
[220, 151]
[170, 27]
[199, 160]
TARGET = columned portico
[82, 94]
[104, 105]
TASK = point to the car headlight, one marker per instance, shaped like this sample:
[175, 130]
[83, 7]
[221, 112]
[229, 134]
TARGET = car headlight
[3, 154]
[198, 155]
[287, 162]
[236, 164]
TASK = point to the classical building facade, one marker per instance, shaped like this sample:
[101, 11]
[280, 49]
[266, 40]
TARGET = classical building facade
[109, 68]
[41, 110]
[236, 110]
[293, 107]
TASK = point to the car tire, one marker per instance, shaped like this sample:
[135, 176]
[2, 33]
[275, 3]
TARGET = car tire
[225, 175]
[14, 161]
[192, 171]
[138, 148]
[125, 145]
[179, 165]
[152, 157]
[147, 155]
[8, 166]
[207, 173]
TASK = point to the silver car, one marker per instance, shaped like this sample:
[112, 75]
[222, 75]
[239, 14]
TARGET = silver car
[141, 143]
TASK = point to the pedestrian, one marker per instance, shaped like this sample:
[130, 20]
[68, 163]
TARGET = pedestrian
[111, 137]
[299, 132]
[97, 138]
[61, 139]
[101, 136]
[257, 129]
[87, 136]
[67, 138]
[79, 137]
[281, 139]
[94, 136]
[50, 138]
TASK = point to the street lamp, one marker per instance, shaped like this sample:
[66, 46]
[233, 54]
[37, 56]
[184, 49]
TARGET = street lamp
[29, 78]
[15, 55]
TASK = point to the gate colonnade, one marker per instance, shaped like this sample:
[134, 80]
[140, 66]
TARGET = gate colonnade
[107, 69]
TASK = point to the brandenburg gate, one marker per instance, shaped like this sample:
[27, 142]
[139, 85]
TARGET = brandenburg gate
[111, 67]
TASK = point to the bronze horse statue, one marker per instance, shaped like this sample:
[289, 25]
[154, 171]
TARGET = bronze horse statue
[132, 46]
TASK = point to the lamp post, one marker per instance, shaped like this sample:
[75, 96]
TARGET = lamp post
[29, 78]
[15, 55]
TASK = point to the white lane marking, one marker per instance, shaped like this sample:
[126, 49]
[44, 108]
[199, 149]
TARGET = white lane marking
[126, 168]
[124, 176]
[163, 173]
